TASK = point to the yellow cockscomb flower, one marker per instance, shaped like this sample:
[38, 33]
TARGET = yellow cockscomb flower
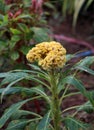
[49, 55]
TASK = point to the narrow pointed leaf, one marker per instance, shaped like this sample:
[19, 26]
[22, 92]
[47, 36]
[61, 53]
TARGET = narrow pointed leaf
[86, 69]
[8, 87]
[20, 124]
[73, 124]
[17, 125]
[87, 61]
[20, 113]
[44, 123]
[87, 107]
[88, 4]
[71, 80]
[10, 77]
[40, 91]
[11, 111]
[78, 6]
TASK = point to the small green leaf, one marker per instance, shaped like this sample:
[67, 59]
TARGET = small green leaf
[15, 31]
[8, 87]
[27, 3]
[14, 55]
[40, 34]
[69, 57]
[24, 49]
[23, 27]
[24, 16]
[28, 35]
[14, 40]
[44, 123]
[3, 45]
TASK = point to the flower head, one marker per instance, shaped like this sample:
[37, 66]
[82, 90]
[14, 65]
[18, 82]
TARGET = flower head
[49, 55]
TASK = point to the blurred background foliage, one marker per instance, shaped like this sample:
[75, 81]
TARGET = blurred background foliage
[25, 22]
[70, 7]
[21, 25]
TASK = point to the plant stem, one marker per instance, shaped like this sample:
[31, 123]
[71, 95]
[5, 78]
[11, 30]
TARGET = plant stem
[56, 113]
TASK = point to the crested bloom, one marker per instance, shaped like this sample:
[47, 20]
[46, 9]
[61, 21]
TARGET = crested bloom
[49, 55]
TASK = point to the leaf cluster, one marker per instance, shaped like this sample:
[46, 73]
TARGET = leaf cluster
[20, 29]
[43, 91]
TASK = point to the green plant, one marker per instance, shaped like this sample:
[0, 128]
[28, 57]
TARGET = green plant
[21, 25]
[71, 7]
[54, 83]
[74, 7]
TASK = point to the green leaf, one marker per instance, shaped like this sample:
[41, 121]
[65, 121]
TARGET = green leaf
[2, 6]
[40, 34]
[87, 107]
[86, 69]
[41, 92]
[27, 3]
[15, 31]
[17, 124]
[10, 77]
[20, 124]
[18, 114]
[3, 45]
[71, 80]
[24, 16]
[69, 57]
[44, 123]
[28, 35]
[87, 61]
[24, 49]
[65, 7]
[77, 8]
[89, 2]
[11, 111]
[31, 125]
[4, 21]
[73, 124]
[49, 5]
[14, 55]
[23, 27]
[14, 40]
[1, 19]
[37, 68]
[11, 90]
[8, 87]
[84, 64]
[90, 96]
[4, 74]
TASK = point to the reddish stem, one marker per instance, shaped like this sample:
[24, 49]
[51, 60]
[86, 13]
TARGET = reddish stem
[74, 41]
[37, 105]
